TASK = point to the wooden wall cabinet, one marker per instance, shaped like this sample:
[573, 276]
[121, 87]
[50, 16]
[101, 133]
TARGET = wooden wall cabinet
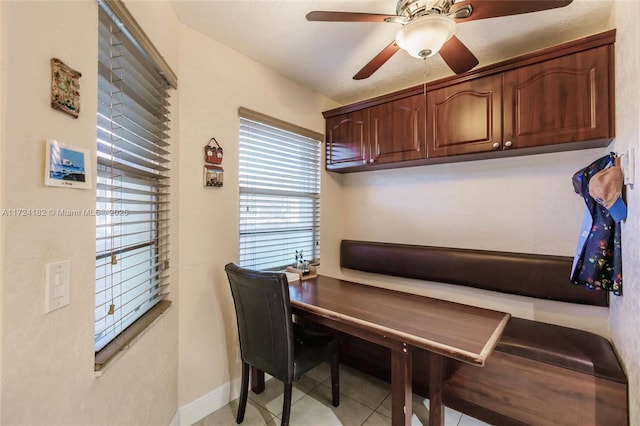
[465, 118]
[555, 99]
[386, 133]
[397, 130]
[347, 139]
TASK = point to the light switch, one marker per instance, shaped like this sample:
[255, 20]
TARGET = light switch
[59, 290]
[57, 279]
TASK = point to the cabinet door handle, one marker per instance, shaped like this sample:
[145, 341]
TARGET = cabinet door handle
[508, 144]
[495, 145]
[371, 160]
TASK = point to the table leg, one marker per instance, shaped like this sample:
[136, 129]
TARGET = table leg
[401, 392]
[257, 380]
[436, 385]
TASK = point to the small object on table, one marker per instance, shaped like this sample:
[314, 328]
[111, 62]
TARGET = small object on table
[311, 272]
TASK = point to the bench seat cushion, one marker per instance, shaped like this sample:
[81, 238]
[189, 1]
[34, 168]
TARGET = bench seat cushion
[539, 373]
[564, 347]
[532, 275]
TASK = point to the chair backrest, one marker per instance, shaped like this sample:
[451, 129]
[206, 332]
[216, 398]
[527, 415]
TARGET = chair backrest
[265, 326]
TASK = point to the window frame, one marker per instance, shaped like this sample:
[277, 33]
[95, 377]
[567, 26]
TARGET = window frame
[116, 12]
[266, 197]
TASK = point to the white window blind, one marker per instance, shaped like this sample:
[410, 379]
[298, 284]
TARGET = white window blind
[132, 229]
[279, 193]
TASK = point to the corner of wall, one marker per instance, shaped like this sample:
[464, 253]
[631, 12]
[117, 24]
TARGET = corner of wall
[208, 403]
[2, 180]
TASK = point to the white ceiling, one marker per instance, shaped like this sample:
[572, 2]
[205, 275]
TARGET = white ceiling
[324, 56]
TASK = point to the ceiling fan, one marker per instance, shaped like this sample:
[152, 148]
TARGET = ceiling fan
[428, 27]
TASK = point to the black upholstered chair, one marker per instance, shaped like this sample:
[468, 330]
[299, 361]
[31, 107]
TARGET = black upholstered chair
[269, 339]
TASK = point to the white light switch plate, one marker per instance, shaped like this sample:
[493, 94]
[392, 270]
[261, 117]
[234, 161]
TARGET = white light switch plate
[57, 283]
[628, 165]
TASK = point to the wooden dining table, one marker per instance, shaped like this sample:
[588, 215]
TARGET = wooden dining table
[403, 322]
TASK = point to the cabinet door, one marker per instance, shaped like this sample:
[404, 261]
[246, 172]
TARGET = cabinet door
[347, 139]
[465, 118]
[398, 130]
[559, 100]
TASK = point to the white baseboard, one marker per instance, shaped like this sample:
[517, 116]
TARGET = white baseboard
[195, 410]
[175, 421]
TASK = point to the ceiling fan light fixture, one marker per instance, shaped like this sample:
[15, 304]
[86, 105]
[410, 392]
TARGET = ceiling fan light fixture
[424, 36]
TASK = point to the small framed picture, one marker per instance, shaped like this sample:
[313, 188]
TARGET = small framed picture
[65, 88]
[67, 166]
[213, 176]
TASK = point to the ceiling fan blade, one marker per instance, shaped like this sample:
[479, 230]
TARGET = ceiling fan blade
[458, 56]
[482, 9]
[377, 61]
[319, 15]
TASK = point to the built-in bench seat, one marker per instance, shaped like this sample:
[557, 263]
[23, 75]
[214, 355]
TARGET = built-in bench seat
[539, 373]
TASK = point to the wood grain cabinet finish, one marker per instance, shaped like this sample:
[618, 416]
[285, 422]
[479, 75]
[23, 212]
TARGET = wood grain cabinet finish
[558, 101]
[397, 130]
[465, 118]
[386, 133]
[347, 139]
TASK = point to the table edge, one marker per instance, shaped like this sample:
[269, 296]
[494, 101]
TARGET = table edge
[426, 344]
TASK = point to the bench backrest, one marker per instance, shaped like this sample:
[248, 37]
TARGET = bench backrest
[533, 275]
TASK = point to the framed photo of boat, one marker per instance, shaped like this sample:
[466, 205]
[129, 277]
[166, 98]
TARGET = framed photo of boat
[66, 166]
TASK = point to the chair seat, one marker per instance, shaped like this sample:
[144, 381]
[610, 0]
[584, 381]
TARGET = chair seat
[310, 349]
[269, 339]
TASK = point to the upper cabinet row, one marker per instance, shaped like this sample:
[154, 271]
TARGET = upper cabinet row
[552, 100]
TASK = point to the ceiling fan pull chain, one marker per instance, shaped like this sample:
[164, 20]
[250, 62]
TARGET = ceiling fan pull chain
[425, 74]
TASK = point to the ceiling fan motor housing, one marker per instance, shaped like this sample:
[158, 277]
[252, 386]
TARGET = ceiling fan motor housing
[414, 8]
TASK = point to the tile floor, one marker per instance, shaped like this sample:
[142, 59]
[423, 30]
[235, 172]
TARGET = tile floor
[364, 401]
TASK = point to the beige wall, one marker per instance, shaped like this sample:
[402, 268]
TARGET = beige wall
[625, 325]
[47, 359]
[2, 227]
[212, 87]
[520, 204]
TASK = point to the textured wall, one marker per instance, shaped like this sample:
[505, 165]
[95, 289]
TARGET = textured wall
[2, 224]
[47, 359]
[522, 204]
[625, 325]
[213, 85]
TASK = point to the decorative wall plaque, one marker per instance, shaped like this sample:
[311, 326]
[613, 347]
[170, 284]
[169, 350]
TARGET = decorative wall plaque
[213, 176]
[65, 88]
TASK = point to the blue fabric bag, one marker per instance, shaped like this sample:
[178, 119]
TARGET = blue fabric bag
[598, 261]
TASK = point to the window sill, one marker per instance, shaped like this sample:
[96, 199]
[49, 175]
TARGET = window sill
[128, 336]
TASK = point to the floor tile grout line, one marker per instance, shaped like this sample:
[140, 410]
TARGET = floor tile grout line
[292, 402]
[380, 404]
[276, 417]
[368, 417]
[321, 383]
